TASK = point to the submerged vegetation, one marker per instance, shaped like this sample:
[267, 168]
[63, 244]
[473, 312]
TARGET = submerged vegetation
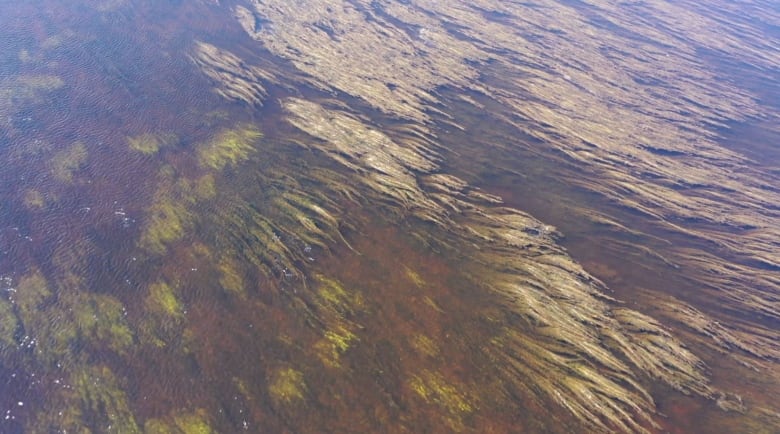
[150, 144]
[248, 282]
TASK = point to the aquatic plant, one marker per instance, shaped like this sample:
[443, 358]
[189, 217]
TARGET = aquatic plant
[236, 80]
[230, 277]
[77, 319]
[33, 199]
[150, 144]
[19, 90]
[569, 316]
[66, 162]
[162, 299]
[333, 344]
[195, 422]
[93, 400]
[8, 325]
[170, 215]
[228, 147]
[286, 386]
[661, 160]
[165, 322]
[636, 110]
[434, 389]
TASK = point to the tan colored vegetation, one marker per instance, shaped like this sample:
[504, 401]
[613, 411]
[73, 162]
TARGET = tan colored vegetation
[624, 94]
[235, 79]
[573, 328]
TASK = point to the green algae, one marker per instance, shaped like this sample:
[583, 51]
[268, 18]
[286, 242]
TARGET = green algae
[230, 277]
[9, 324]
[68, 161]
[286, 386]
[434, 389]
[415, 277]
[195, 422]
[101, 318]
[16, 92]
[228, 147]
[31, 292]
[150, 144]
[334, 343]
[163, 324]
[170, 216]
[93, 401]
[336, 308]
[333, 296]
[425, 345]
[168, 221]
[162, 299]
[205, 187]
[72, 318]
[34, 200]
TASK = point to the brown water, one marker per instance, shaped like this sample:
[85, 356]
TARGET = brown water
[403, 353]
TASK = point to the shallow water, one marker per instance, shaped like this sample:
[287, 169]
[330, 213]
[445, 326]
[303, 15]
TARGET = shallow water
[380, 333]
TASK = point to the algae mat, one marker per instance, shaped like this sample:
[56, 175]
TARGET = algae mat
[389, 216]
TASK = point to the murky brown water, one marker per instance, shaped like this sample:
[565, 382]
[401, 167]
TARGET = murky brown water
[393, 343]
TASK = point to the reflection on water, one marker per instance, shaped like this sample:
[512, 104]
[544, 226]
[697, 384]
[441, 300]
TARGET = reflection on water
[202, 231]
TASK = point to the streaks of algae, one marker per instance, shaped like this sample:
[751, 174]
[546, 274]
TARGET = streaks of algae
[573, 329]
